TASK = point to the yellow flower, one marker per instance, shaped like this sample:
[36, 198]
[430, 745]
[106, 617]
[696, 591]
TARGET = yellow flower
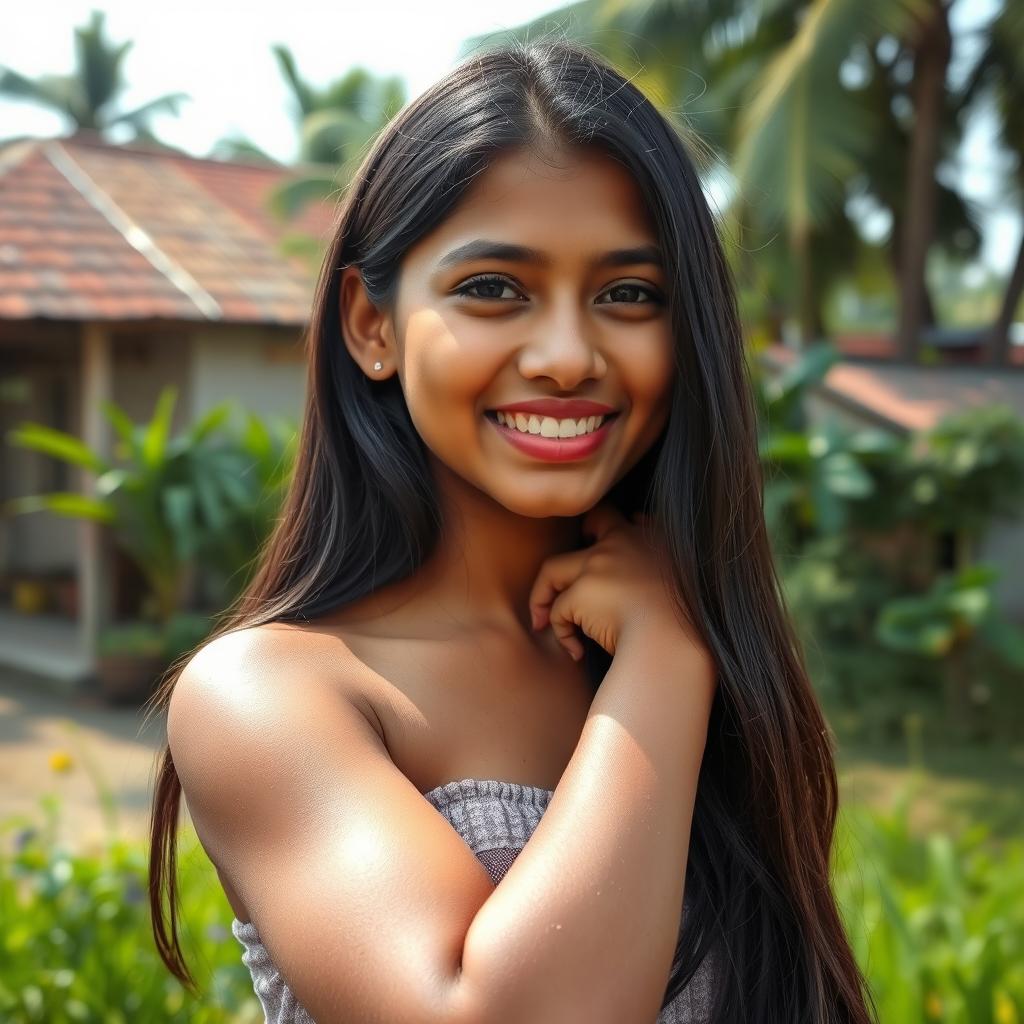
[1005, 1012]
[933, 1006]
[60, 761]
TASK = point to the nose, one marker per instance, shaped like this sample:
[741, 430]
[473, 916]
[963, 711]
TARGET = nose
[562, 351]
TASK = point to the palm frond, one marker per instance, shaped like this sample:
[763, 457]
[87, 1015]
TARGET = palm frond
[803, 133]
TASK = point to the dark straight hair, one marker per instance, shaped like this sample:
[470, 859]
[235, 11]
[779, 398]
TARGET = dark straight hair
[362, 512]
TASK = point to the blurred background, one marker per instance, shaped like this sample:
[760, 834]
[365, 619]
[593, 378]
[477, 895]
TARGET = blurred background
[169, 176]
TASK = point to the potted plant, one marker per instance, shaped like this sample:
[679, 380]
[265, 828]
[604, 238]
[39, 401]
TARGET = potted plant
[130, 659]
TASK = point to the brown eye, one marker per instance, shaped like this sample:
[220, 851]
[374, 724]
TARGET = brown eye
[630, 289]
[484, 281]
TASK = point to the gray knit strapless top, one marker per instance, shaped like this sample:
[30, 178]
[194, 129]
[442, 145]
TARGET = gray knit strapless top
[495, 819]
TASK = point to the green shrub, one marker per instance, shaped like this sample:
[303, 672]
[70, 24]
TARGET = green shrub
[76, 945]
[936, 922]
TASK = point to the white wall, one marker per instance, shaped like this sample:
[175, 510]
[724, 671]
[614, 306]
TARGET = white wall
[1004, 548]
[144, 364]
[262, 369]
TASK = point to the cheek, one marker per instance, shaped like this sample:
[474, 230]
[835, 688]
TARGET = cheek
[648, 371]
[445, 376]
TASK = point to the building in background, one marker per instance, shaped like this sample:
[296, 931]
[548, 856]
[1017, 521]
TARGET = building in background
[124, 269]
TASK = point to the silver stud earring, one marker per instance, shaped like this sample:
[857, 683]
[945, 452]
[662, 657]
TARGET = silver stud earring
[378, 365]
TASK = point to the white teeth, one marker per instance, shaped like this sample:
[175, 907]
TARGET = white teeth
[548, 426]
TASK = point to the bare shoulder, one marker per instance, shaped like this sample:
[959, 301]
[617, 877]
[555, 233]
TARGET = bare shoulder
[243, 709]
[259, 667]
[298, 803]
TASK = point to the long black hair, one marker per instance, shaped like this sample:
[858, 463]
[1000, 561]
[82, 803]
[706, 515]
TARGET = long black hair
[362, 512]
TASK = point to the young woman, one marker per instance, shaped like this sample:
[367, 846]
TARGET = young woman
[511, 726]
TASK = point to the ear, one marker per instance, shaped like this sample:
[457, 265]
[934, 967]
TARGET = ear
[368, 333]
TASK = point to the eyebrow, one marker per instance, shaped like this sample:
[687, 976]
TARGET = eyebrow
[483, 248]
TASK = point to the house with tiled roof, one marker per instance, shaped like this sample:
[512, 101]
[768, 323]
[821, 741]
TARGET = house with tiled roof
[124, 269]
[868, 387]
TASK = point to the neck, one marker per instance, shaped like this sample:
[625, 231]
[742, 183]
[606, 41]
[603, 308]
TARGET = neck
[488, 558]
[480, 575]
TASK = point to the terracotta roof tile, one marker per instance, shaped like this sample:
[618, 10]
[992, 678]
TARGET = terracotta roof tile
[913, 398]
[94, 231]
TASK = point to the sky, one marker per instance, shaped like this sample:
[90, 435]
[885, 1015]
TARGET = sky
[218, 51]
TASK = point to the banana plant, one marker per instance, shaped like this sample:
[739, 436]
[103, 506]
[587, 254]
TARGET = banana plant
[170, 502]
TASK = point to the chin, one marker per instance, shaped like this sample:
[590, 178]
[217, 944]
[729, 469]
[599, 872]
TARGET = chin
[566, 506]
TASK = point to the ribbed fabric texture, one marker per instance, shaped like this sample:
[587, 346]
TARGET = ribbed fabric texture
[495, 819]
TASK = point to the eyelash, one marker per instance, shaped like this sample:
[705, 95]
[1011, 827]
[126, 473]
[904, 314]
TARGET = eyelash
[498, 279]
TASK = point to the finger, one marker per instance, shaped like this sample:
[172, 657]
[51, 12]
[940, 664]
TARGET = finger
[563, 623]
[600, 519]
[556, 573]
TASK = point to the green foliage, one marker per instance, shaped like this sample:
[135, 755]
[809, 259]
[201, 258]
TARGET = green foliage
[953, 612]
[936, 921]
[961, 476]
[815, 478]
[971, 471]
[76, 946]
[87, 97]
[205, 497]
[875, 534]
[337, 125]
[132, 638]
[812, 109]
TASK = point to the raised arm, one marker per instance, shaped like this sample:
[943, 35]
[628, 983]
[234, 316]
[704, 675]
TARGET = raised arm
[584, 924]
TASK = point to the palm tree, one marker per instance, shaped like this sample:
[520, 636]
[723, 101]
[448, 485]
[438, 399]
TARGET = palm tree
[800, 138]
[336, 126]
[754, 68]
[931, 45]
[86, 95]
[998, 78]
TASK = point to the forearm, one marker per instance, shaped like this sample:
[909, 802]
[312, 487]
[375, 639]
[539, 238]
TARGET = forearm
[584, 924]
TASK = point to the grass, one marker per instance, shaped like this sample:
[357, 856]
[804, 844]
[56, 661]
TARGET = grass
[966, 785]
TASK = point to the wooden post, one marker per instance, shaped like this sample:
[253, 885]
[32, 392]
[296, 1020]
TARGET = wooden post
[96, 386]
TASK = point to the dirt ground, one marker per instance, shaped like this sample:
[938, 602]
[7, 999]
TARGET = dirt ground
[42, 731]
[72, 747]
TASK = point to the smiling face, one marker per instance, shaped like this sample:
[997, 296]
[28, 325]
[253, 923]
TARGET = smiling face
[504, 354]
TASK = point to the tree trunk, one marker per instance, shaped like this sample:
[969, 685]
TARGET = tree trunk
[931, 48]
[998, 344]
[811, 319]
[927, 307]
[929, 317]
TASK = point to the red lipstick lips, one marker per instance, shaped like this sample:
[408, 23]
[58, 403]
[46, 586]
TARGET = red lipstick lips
[556, 449]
